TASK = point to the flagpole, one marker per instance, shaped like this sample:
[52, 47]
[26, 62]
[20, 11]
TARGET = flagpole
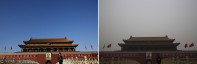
[104, 47]
[5, 49]
[111, 46]
[110, 49]
[194, 47]
[186, 46]
[85, 47]
[91, 46]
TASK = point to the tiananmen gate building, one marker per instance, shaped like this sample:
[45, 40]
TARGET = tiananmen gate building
[46, 50]
[148, 50]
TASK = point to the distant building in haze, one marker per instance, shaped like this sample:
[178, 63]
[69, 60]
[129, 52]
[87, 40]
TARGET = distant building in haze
[148, 44]
[148, 50]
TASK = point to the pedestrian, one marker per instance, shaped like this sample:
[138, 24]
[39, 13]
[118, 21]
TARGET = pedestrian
[158, 60]
[60, 58]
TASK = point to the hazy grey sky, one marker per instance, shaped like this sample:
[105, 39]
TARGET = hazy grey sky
[119, 19]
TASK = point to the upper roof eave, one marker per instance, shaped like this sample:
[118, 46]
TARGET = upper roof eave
[165, 38]
[48, 40]
[73, 45]
[147, 40]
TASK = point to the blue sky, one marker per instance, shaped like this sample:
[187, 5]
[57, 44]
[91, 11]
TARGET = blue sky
[75, 19]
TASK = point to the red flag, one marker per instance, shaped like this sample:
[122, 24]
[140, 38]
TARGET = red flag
[108, 46]
[191, 45]
[91, 46]
[186, 45]
[85, 47]
[11, 48]
[104, 46]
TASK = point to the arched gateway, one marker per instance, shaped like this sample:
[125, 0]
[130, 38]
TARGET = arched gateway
[48, 62]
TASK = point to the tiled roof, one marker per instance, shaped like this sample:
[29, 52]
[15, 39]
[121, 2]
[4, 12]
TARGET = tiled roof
[35, 40]
[49, 45]
[160, 44]
[148, 39]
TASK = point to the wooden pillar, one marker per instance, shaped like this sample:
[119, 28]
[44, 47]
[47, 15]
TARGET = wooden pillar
[59, 49]
[44, 49]
[26, 50]
[54, 49]
[32, 50]
[35, 50]
[51, 49]
[68, 49]
[48, 50]
[29, 50]
[63, 49]
[73, 49]
[38, 49]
